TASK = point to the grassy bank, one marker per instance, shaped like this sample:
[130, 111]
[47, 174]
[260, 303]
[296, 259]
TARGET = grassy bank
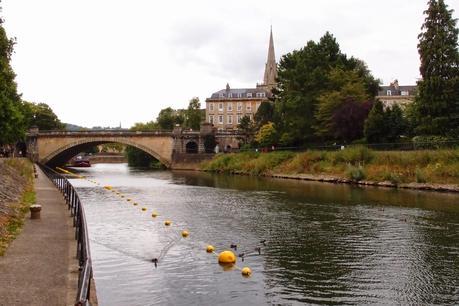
[355, 163]
[17, 195]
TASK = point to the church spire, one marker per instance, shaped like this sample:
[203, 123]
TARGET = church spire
[270, 76]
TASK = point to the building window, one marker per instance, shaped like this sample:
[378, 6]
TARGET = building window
[239, 95]
[239, 106]
[221, 95]
[249, 95]
[230, 95]
[211, 107]
[405, 93]
[248, 107]
[230, 107]
[389, 93]
[260, 95]
[220, 119]
[211, 119]
[239, 119]
[230, 119]
[220, 107]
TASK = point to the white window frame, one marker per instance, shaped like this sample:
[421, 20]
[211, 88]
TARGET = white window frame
[230, 107]
[220, 119]
[230, 95]
[239, 95]
[239, 117]
[221, 95]
[211, 107]
[405, 93]
[389, 92]
[239, 106]
[211, 119]
[248, 107]
[230, 119]
[220, 107]
[249, 95]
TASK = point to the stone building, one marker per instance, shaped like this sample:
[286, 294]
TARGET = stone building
[396, 94]
[225, 108]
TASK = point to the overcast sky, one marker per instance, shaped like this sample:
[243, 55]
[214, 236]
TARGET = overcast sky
[102, 62]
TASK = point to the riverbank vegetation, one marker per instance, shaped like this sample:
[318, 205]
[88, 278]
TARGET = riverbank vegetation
[353, 163]
[16, 196]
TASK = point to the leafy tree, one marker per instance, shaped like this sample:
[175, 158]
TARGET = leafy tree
[303, 76]
[350, 88]
[167, 118]
[385, 125]
[11, 118]
[40, 115]
[437, 103]
[138, 158]
[194, 114]
[145, 127]
[267, 135]
[349, 118]
[209, 143]
[374, 125]
[247, 129]
[264, 114]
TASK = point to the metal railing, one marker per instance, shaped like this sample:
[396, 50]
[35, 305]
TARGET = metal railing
[81, 234]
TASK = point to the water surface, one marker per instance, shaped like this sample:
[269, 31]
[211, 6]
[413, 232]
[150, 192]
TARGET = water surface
[325, 243]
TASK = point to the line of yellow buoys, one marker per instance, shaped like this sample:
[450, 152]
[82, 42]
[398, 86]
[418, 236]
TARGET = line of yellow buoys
[225, 258]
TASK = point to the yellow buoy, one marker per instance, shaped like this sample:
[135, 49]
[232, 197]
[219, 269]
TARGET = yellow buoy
[144, 208]
[135, 204]
[226, 257]
[246, 271]
[185, 234]
[108, 187]
[210, 249]
[122, 196]
[167, 222]
[154, 215]
[129, 200]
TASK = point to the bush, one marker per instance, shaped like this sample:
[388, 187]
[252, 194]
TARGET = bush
[420, 176]
[354, 155]
[356, 173]
[430, 142]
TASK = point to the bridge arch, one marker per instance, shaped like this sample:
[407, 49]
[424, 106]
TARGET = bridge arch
[64, 152]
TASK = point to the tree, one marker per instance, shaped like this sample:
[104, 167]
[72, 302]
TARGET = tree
[145, 127]
[264, 113]
[166, 119]
[303, 76]
[385, 125]
[194, 114]
[350, 90]
[246, 129]
[11, 118]
[349, 118]
[437, 102]
[267, 135]
[41, 116]
[374, 125]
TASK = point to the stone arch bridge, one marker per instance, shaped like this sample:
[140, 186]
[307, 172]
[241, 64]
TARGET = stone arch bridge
[176, 149]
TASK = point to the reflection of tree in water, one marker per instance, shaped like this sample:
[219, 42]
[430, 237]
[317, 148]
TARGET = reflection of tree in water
[353, 244]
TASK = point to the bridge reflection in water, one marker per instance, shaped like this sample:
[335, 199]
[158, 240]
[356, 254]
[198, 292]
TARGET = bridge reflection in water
[325, 243]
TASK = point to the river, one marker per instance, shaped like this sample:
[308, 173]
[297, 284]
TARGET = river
[325, 243]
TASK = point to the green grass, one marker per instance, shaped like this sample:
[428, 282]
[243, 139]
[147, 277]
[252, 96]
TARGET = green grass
[357, 163]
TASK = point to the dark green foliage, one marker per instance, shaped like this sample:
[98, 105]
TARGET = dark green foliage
[193, 114]
[139, 158]
[247, 130]
[209, 143]
[385, 125]
[11, 118]
[265, 113]
[303, 76]
[437, 103]
[349, 118]
[167, 119]
[41, 116]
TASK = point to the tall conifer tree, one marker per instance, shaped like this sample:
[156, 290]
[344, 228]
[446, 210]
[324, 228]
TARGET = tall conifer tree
[437, 102]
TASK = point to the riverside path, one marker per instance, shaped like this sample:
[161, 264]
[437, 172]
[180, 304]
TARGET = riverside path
[40, 266]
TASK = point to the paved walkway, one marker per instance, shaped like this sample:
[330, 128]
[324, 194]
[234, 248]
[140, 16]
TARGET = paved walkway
[40, 267]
